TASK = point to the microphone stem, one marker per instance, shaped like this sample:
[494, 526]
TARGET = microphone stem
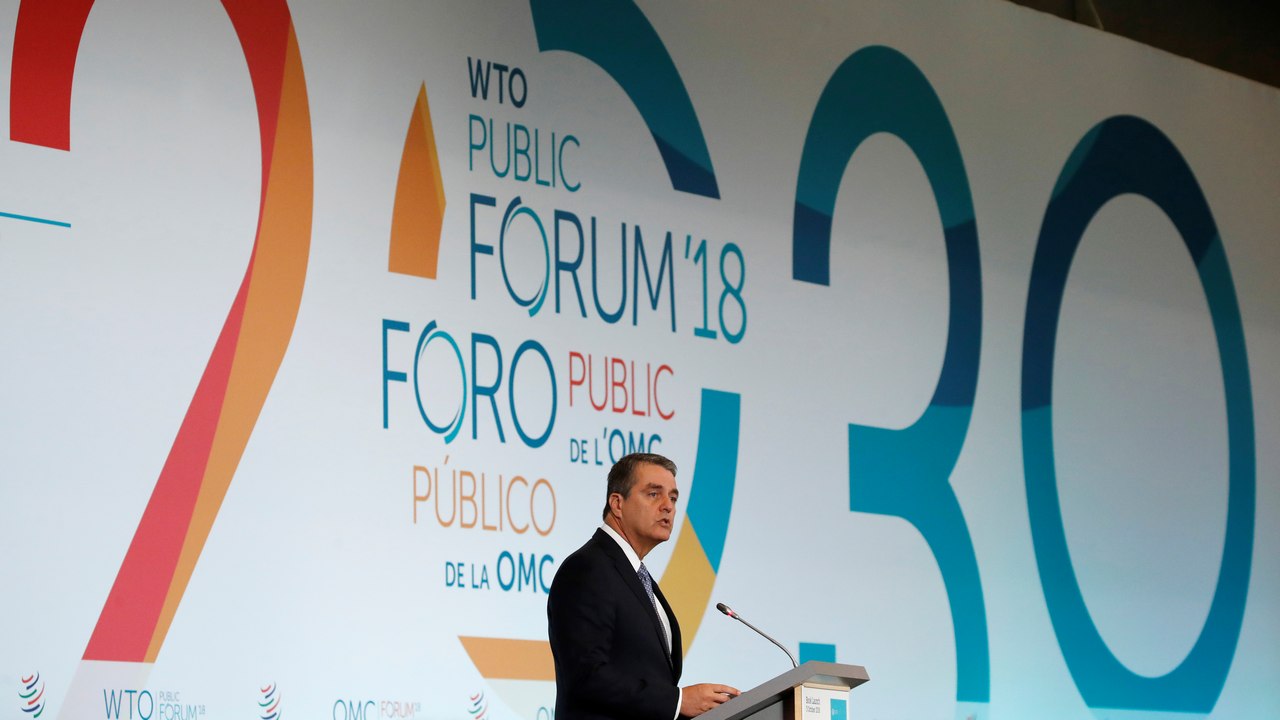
[765, 635]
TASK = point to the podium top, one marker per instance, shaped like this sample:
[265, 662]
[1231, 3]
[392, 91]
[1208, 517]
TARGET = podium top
[775, 690]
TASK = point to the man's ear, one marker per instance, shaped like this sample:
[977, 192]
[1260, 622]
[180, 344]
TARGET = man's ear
[615, 505]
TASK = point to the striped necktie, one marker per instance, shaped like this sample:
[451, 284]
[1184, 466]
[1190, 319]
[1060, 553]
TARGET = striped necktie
[647, 581]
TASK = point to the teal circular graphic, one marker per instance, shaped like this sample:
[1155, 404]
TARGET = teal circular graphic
[450, 429]
[514, 210]
[620, 40]
[906, 472]
[1127, 155]
[540, 440]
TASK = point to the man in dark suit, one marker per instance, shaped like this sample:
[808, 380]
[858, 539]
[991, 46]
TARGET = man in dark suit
[615, 640]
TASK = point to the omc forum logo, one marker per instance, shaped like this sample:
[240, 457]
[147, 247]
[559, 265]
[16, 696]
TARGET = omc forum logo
[31, 692]
[269, 705]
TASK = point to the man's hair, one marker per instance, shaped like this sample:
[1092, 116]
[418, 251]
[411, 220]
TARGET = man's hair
[622, 476]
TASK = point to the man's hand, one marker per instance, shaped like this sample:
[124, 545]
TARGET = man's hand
[697, 699]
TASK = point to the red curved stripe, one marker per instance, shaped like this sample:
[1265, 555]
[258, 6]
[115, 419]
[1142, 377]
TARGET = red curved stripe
[45, 43]
[133, 609]
[263, 29]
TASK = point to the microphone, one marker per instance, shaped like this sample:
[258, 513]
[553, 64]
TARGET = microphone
[728, 611]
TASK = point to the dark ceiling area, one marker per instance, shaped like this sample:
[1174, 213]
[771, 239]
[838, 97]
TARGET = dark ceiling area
[1238, 36]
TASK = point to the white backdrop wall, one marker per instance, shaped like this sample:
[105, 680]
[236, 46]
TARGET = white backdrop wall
[1007, 442]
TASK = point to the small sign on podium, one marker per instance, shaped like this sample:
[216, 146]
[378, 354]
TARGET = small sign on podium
[821, 702]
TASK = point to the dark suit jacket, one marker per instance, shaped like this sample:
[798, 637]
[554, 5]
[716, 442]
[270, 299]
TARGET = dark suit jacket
[611, 660]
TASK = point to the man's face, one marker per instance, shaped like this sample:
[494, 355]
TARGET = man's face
[648, 512]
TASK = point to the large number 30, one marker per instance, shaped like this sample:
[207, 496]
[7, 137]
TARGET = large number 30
[905, 473]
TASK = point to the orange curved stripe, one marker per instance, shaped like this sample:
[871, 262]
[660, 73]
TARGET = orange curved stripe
[687, 583]
[508, 659]
[278, 270]
[127, 626]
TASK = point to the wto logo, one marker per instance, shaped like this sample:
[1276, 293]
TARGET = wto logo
[479, 707]
[270, 703]
[32, 694]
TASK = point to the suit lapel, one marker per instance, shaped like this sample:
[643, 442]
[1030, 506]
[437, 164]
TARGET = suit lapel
[632, 581]
[676, 658]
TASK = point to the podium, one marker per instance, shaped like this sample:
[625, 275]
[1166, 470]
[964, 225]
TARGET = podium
[803, 693]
